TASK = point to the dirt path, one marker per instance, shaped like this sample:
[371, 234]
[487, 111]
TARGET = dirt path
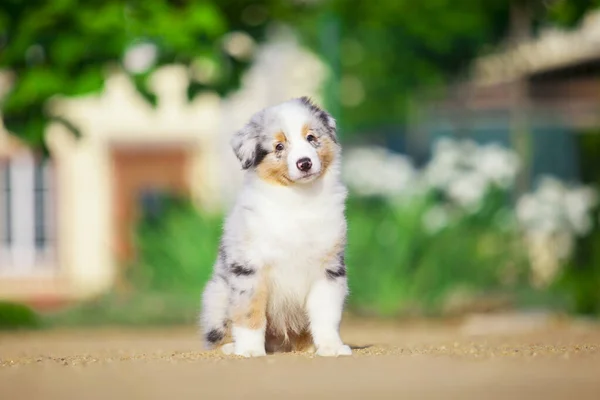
[556, 361]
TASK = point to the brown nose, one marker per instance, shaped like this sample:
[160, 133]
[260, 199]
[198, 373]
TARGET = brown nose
[304, 164]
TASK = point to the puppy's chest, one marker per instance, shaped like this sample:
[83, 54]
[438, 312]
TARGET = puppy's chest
[296, 239]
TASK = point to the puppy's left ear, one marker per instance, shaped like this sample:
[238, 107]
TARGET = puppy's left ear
[245, 142]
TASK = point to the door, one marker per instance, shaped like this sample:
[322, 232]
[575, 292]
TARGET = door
[136, 172]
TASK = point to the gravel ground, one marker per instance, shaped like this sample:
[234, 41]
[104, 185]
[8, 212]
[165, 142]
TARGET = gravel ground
[477, 359]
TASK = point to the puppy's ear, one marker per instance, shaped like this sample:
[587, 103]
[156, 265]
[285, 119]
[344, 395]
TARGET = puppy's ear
[326, 119]
[245, 143]
[329, 122]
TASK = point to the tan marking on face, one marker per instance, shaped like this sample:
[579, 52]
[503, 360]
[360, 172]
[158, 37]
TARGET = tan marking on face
[274, 169]
[326, 152]
[305, 130]
[253, 314]
[279, 138]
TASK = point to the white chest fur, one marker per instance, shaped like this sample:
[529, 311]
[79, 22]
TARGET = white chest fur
[290, 236]
[287, 228]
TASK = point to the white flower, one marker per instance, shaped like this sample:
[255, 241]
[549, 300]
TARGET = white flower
[551, 190]
[376, 171]
[546, 252]
[435, 219]
[444, 165]
[498, 164]
[552, 216]
[464, 170]
[239, 45]
[140, 57]
[527, 210]
[578, 204]
[468, 189]
[555, 208]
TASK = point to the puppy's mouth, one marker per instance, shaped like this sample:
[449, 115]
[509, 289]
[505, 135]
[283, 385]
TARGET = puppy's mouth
[309, 176]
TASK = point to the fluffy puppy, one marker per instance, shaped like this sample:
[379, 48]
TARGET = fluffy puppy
[279, 282]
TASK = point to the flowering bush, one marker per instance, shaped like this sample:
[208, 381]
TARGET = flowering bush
[461, 170]
[552, 217]
[420, 236]
[376, 171]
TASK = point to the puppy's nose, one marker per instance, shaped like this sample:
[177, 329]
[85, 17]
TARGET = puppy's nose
[304, 164]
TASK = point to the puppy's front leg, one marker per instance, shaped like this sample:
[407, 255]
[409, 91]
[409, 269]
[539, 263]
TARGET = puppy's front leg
[325, 305]
[249, 321]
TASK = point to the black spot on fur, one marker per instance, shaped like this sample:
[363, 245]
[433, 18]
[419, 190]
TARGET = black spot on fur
[336, 273]
[240, 270]
[259, 155]
[322, 115]
[214, 336]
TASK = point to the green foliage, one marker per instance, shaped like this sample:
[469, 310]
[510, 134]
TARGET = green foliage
[64, 47]
[17, 316]
[139, 308]
[570, 12]
[177, 252]
[580, 285]
[581, 280]
[176, 256]
[393, 47]
[396, 265]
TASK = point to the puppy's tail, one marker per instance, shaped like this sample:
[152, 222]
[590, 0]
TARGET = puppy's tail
[213, 317]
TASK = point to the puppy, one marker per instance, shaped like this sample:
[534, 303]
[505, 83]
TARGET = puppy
[279, 282]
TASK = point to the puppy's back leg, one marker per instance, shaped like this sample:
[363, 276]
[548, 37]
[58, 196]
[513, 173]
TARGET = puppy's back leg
[213, 317]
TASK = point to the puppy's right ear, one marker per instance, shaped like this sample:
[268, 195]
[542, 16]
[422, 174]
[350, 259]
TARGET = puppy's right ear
[245, 142]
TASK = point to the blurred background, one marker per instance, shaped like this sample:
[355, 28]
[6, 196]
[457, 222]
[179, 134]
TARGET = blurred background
[471, 134]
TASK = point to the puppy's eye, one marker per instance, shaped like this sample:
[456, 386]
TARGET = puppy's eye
[311, 138]
[279, 147]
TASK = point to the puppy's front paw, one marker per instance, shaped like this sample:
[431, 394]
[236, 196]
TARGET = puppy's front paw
[250, 352]
[248, 342]
[228, 349]
[334, 350]
[231, 349]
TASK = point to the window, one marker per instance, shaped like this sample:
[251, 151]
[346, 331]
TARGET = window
[6, 205]
[26, 215]
[42, 200]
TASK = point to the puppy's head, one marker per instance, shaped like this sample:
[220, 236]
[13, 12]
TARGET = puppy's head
[292, 143]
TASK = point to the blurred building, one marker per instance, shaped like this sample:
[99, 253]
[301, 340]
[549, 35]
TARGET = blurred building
[66, 223]
[547, 88]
